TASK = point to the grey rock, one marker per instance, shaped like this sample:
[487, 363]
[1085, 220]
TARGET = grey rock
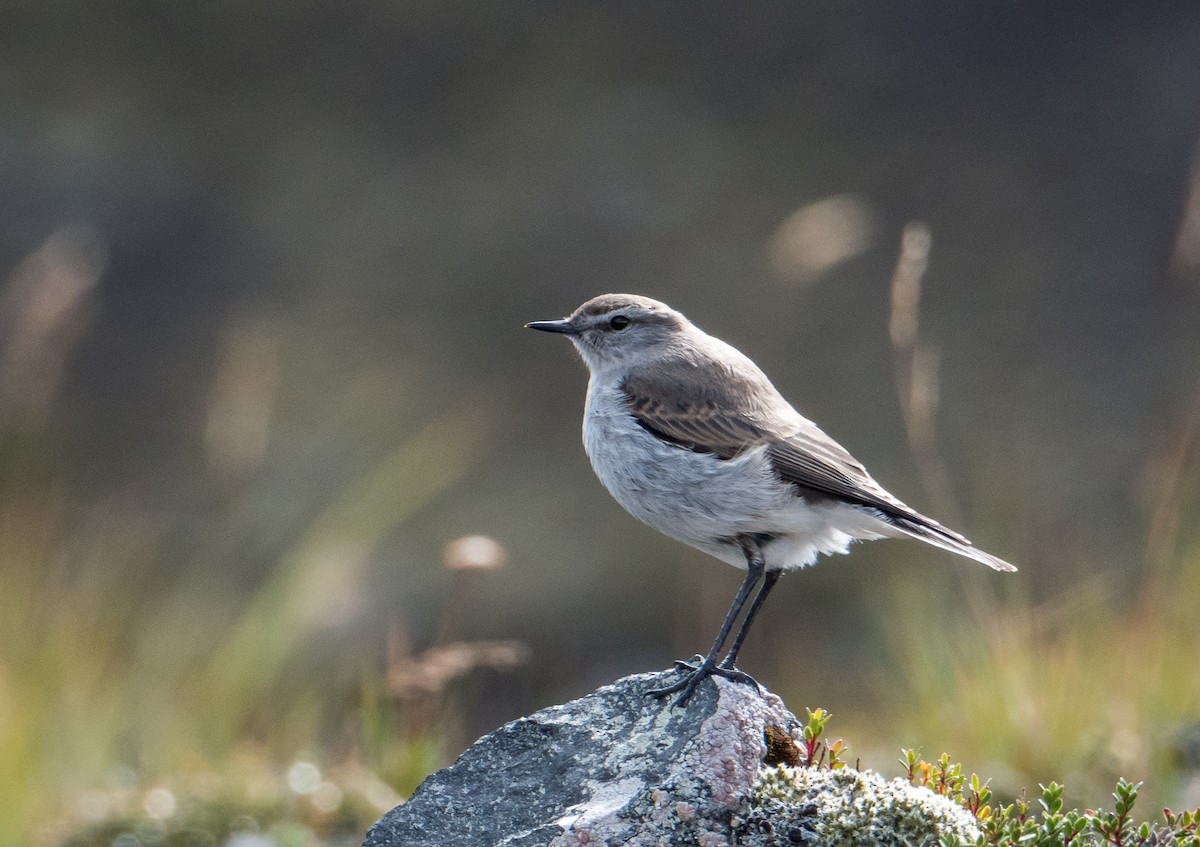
[617, 767]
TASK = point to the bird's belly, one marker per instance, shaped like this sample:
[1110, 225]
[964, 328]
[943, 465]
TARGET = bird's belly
[706, 502]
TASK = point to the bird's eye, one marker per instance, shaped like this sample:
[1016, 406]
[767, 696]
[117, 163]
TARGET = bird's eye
[618, 322]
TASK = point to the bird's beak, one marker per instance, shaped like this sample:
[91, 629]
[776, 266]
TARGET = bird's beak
[563, 326]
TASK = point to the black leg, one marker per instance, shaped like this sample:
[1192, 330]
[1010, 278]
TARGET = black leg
[708, 666]
[769, 581]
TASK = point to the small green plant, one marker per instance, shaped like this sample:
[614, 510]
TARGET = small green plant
[817, 752]
[1018, 824]
[941, 776]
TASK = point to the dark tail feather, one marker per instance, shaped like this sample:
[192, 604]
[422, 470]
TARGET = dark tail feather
[939, 536]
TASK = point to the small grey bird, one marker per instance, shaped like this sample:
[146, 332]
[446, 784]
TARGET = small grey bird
[693, 439]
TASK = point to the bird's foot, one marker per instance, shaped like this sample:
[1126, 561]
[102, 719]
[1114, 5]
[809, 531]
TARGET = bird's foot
[695, 672]
[732, 673]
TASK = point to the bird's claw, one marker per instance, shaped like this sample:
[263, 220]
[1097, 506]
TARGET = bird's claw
[695, 673]
[734, 675]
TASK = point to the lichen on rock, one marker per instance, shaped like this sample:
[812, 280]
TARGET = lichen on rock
[848, 808]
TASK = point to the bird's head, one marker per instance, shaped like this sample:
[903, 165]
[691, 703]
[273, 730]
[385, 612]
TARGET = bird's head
[614, 330]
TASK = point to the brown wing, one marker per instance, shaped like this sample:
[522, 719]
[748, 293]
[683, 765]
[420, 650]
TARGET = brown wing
[682, 403]
[704, 404]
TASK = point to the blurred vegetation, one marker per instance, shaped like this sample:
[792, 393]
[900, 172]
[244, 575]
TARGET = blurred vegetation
[1083, 689]
[1082, 684]
[264, 272]
[244, 805]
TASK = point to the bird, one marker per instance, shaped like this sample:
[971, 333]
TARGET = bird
[693, 439]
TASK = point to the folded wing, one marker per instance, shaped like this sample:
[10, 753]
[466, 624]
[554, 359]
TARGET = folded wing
[679, 402]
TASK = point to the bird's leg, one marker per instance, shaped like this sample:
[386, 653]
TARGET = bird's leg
[697, 673]
[769, 581]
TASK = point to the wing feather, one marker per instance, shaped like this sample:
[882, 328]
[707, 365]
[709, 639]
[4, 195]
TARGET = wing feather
[680, 402]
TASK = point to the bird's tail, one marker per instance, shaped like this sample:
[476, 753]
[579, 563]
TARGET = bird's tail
[937, 535]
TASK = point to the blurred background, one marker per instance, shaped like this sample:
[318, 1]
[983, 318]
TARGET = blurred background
[291, 502]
